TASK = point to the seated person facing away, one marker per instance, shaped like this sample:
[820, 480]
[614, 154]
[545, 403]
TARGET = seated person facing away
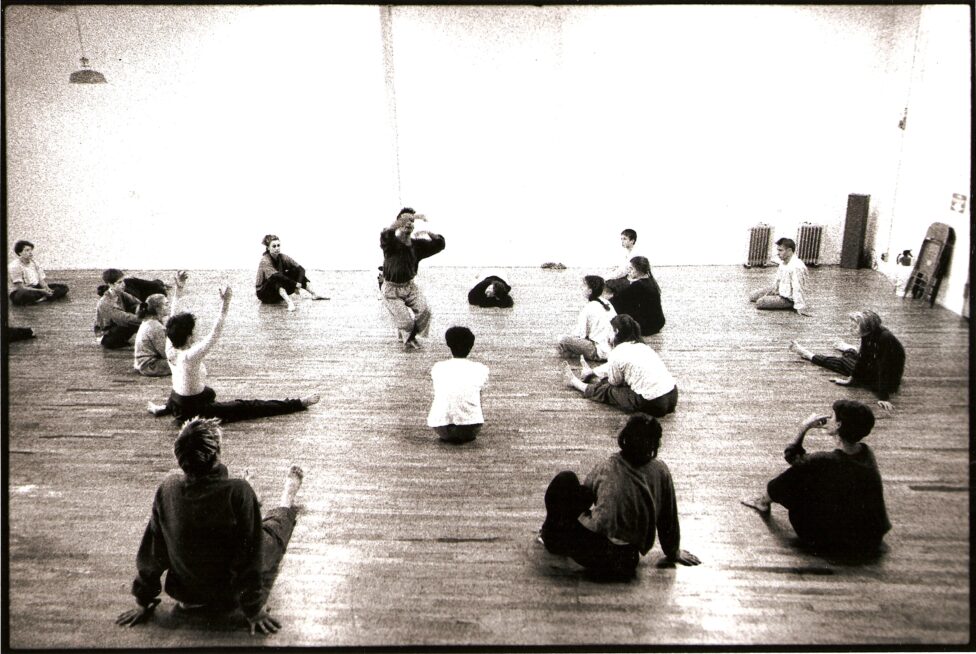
[618, 279]
[150, 351]
[492, 291]
[634, 378]
[279, 276]
[609, 521]
[878, 365]
[207, 535]
[591, 339]
[115, 314]
[191, 397]
[787, 290]
[28, 281]
[835, 499]
[455, 414]
[138, 288]
[641, 299]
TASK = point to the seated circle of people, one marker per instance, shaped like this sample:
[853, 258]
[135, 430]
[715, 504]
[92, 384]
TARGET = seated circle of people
[28, 281]
[835, 499]
[492, 291]
[455, 412]
[403, 249]
[618, 279]
[206, 533]
[877, 365]
[116, 321]
[641, 299]
[606, 523]
[634, 378]
[150, 350]
[787, 291]
[591, 338]
[280, 277]
[190, 396]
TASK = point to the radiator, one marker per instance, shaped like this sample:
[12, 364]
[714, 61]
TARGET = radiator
[758, 254]
[808, 240]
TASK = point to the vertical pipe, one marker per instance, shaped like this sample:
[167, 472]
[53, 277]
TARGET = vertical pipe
[389, 76]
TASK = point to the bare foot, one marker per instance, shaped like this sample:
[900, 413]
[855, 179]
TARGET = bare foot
[585, 369]
[292, 483]
[411, 344]
[309, 400]
[760, 504]
[247, 475]
[316, 296]
[291, 305]
[568, 376]
[802, 351]
[156, 409]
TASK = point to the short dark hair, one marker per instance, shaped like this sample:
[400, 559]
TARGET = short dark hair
[112, 275]
[406, 210]
[787, 243]
[640, 439]
[197, 447]
[629, 233]
[628, 329]
[856, 420]
[460, 340]
[179, 328]
[266, 241]
[20, 245]
[595, 284]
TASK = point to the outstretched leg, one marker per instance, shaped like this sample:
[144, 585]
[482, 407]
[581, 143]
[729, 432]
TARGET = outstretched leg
[277, 527]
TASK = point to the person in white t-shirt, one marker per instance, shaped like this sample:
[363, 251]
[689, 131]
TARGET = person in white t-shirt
[593, 333]
[455, 414]
[618, 279]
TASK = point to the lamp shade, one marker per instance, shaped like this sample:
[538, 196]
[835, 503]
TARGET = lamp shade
[86, 75]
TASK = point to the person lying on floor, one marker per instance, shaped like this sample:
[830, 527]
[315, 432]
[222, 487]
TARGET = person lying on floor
[492, 291]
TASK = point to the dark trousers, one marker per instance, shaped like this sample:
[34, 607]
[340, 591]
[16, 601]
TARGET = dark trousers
[117, 336]
[290, 280]
[277, 527]
[204, 405]
[843, 364]
[625, 398]
[19, 334]
[32, 294]
[458, 433]
[563, 535]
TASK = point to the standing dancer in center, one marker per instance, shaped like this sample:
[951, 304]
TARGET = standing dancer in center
[403, 248]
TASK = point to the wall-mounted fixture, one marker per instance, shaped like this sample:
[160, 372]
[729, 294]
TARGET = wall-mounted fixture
[86, 75]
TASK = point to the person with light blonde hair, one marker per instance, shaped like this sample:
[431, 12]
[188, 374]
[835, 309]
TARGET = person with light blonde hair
[878, 364]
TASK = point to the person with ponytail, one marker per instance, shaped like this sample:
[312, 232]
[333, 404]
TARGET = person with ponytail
[279, 276]
[641, 298]
[610, 520]
[634, 378]
[591, 339]
[191, 396]
[150, 351]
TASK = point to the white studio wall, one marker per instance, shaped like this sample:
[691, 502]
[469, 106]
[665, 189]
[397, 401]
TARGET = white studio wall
[527, 134]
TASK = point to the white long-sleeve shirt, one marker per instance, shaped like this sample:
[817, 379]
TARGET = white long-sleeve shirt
[593, 323]
[790, 279]
[638, 366]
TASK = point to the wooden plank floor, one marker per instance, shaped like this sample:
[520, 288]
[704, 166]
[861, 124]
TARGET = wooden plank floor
[407, 541]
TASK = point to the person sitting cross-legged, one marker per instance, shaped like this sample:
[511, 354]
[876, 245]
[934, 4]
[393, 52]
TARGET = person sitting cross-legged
[591, 339]
[835, 499]
[606, 523]
[455, 413]
[28, 281]
[116, 321]
[207, 535]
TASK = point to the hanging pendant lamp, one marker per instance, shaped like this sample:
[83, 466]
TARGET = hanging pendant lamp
[86, 75]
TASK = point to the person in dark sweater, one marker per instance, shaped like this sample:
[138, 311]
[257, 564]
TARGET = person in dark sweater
[492, 291]
[402, 251]
[279, 276]
[606, 523]
[207, 535]
[835, 499]
[641, 299]
[878, 365]
[115, 314]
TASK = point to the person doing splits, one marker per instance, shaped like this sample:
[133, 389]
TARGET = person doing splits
[641, 299]
[878, 365]
[835, 499]
[593, 333]
[606, 523]
[634, 378]
[28, 281]
[455, 413]
[207, 535]
[279, 276]
[115, 314]
[191, 396]
[402, 251]
[150, 351]
[492, 291]
[787, 290]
